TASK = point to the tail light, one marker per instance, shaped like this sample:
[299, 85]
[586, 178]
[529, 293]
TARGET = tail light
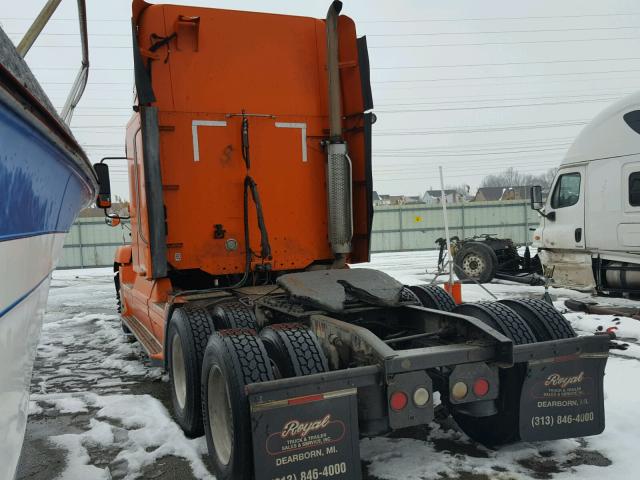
[398, 401]
[421, 396]
[459, 390]
[473, 382]
[481, 387]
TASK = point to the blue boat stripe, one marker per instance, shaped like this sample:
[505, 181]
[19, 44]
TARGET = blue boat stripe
[19, 300]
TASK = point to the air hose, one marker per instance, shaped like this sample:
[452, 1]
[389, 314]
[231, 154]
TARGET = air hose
[265, 248]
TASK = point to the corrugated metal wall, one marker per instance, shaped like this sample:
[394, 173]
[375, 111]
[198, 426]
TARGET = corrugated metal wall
[92, 243]
[416, 227]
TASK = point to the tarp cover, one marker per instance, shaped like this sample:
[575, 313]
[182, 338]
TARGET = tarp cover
[329, 289]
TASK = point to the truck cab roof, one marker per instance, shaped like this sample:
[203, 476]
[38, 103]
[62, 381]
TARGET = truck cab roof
[614, 132]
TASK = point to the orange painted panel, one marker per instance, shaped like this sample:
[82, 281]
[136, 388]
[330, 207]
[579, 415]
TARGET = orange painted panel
[219, 63]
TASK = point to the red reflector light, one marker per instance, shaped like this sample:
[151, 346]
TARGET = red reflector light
[398, 401]
[481, 387]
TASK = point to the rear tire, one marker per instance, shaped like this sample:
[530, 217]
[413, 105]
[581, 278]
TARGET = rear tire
[232, 360]
[545, 321]
[432, 296]
[294, 350]
[476, 261]
[233, 314]
[187, 336]
[503, 427]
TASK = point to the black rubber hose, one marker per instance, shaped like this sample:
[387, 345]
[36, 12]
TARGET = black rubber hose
[265, 247]
[245, 142]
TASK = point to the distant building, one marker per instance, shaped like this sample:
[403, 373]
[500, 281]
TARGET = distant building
[412, 199]
[431, 197]
[394, 199]
[494, 194]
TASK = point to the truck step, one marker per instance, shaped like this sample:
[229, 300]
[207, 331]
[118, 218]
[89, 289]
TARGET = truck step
[146, 339]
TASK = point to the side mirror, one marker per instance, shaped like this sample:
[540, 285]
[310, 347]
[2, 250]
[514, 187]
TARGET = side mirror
[536, 198]
[104, 192]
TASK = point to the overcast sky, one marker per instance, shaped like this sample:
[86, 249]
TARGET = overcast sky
[472, 86]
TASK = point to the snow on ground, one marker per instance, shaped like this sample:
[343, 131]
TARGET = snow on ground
[100, 411]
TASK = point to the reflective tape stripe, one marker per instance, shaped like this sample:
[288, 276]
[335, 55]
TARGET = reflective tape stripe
[194, 131]
[303, 132]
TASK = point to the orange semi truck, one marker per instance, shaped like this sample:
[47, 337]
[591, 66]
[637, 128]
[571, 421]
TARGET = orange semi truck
[249, 157]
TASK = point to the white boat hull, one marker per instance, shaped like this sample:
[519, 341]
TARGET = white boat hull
[26, 266]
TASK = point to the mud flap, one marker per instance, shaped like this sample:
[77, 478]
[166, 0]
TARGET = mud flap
[563, 397]
[306, 438]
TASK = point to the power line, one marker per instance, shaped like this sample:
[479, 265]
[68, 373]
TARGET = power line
[421, 34]
[474, 100]
[482, 146]
[505, 96]
[91, 34]
[492, 107]
[458, 154]
[413, 20]
[128, 69]
[90, 83]
[405, 87]
[480, 129]
[518, 42]
[428, 34]
[483, 19]
[400, 67]
[128, 47]
[91, 20]
[545, 62]
[400, 167]
[493, 77]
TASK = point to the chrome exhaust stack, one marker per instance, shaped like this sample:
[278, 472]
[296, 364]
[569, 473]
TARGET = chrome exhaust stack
[339, 196]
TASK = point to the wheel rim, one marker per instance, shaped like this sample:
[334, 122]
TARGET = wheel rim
[178, 371]
[473, 265]
[219, 408]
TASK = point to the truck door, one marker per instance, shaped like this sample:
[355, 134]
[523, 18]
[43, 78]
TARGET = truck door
[629, 224]
[566, 201]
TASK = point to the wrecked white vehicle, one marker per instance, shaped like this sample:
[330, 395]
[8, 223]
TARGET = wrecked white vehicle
[589, 236]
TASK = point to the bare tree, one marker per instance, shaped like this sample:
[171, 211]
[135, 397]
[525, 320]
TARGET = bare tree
[512, 178]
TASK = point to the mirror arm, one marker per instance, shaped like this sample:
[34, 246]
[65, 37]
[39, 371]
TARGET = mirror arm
[551, 215]
[115, 215]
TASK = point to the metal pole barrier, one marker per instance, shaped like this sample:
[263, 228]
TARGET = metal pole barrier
[79, 224]
[443, 200]
[400, 228]
[526, 225]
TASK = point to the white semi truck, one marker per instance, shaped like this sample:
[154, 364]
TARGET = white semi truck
[590, 231]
